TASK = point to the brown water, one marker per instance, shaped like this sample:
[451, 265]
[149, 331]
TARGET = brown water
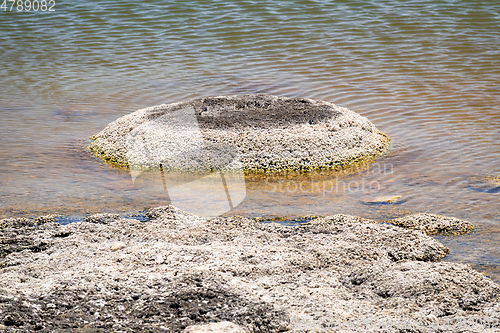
[427, 73]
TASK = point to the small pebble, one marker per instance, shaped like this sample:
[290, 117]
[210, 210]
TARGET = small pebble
[395, 199]
[117, 246]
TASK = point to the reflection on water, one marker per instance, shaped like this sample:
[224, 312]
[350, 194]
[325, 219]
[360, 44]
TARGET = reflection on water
[425, 72]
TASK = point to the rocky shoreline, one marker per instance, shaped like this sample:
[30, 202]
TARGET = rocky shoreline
[178, 272]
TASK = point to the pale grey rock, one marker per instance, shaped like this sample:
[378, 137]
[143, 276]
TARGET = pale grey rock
[15, 222]
[437, 289]
[268, 133]
[379, 240]
[50, 218]
[171, 214]
[330, 274]
[434, 224]
[103, 218]
[222, 327]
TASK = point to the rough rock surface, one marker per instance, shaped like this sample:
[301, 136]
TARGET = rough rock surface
[15, 222]
[269, 132]
[434, 224]
[330, 274]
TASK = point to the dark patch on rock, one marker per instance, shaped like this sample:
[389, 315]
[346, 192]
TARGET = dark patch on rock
[16, 240]
[167, 306]
[261, 111]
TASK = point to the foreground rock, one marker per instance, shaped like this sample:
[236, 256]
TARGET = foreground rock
[268, 132]
[434, 224]
[332, 273]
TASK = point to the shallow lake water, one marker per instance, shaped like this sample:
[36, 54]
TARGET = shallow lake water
[426, 73]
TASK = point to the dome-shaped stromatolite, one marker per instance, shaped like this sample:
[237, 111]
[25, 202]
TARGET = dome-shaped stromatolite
[270, 133]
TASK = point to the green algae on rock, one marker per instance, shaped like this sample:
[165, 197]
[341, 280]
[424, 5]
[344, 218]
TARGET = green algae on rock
[270, 133]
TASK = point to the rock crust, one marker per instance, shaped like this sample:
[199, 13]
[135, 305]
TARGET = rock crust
[330, 274]
[270, 133]
[434, 224]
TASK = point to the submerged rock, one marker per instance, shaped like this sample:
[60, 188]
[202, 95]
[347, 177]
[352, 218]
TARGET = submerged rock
[434, 224]
[325, 275]
[488, 184]
[268, 133]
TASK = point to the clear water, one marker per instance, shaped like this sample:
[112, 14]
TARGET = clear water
[425, 72]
